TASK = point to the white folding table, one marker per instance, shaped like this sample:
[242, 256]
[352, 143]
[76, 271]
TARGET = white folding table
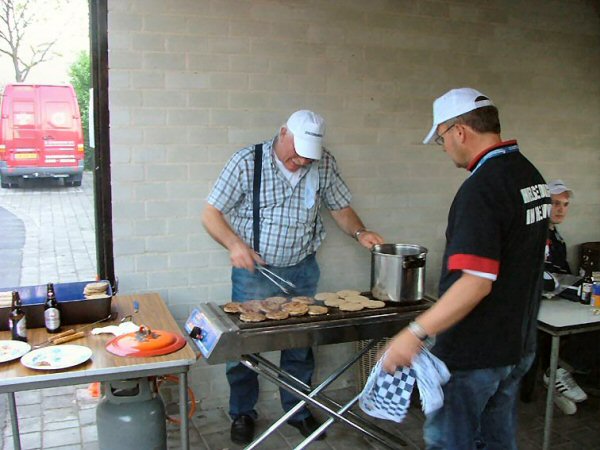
[559, 317]
[104, 366]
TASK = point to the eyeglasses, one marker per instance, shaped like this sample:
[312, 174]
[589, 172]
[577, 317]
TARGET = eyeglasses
[440, 139]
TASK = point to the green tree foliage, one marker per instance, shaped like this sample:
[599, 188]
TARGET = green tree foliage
[80, 77]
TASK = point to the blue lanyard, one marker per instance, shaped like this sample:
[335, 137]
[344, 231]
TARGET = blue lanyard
[495, 153]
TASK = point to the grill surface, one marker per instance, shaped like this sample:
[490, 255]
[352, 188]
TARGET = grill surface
[332, 314]
[224, 337]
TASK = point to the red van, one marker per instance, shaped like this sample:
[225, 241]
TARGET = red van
[40, 134]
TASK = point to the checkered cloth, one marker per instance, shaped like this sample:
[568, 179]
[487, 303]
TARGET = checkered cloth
[387, 396]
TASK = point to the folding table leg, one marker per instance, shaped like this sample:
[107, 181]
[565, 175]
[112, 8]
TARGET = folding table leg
[183, 411]
[551, 393]
[14, 420]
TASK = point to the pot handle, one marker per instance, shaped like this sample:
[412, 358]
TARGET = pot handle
[413, 263]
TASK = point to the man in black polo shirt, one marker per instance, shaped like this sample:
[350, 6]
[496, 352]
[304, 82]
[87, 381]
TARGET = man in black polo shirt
[490, 286]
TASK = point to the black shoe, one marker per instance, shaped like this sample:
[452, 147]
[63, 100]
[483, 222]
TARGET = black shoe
[307, 427]
[242, 430]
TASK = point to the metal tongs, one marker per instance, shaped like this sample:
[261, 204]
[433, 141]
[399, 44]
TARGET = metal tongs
[276, 279]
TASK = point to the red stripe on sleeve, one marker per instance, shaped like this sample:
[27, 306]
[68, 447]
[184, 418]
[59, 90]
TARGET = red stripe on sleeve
[472, 262]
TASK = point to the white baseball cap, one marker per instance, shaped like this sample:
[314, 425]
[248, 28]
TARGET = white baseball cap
[558, 187]
[308, 129]
[453, 104]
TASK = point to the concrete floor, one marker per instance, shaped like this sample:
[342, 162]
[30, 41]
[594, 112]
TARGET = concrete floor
[64, 419]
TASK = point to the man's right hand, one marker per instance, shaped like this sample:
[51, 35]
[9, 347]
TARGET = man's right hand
[243, 257]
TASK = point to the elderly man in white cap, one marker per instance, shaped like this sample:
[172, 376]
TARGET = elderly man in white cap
[265, 209]
[489, 292]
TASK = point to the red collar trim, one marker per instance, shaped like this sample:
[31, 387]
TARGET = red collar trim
[477, 158]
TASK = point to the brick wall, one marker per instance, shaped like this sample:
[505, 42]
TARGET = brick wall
[192, 81]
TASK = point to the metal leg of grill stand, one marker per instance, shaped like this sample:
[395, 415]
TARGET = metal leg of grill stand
[341, 409]
[305, 443]
[253, 362]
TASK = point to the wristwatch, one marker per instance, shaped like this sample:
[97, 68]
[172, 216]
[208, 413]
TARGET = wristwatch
[358, 232]
[418, 331]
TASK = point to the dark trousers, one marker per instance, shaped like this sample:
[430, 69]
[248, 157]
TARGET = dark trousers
[298, 362]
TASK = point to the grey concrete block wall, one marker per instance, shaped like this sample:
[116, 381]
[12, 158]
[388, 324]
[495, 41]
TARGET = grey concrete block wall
[193, 81]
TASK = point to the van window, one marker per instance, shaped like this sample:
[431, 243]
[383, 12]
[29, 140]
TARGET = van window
[23, 114]
[56, 114]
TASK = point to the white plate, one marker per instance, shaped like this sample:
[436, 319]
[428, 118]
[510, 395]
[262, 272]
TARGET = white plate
[10, 350]
[56, 357]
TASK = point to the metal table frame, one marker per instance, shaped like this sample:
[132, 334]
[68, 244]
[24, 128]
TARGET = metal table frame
[560, 317]
[99, 370]
[316, 398]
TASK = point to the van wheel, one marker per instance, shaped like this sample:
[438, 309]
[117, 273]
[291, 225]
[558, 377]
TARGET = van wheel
[73, 180]
[6, 182]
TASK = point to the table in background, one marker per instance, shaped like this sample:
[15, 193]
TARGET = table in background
[104, 366]
[559, 317]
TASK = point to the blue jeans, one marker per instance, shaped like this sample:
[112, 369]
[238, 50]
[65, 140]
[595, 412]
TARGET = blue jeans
[298, 362]
[479, 409]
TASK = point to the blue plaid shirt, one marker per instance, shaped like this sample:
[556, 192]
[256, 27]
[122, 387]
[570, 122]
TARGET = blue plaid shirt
[289, 231]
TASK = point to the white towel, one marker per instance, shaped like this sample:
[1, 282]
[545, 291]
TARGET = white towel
[387, 396]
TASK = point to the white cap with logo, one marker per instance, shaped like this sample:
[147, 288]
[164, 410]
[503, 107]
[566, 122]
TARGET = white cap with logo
[308, 129]
[558, 187]
[453, 104]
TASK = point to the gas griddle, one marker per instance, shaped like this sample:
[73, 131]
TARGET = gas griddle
[224, 337]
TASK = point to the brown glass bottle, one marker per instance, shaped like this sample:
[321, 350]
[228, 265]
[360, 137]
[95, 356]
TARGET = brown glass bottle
[51, 310]
[585, 293]
[17, 321]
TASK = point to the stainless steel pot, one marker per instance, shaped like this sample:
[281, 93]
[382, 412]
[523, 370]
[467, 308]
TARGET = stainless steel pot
[398, 272]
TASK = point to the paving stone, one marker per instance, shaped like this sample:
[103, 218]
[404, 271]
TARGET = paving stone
[89, 433]
[61, 425]
[56, 438]
[58, 401]
[29, 411]
[62, 390]
[211, 421]
[28, 397]
[26, 425]
[87, 416]
[59, 415]
[69, 447]
[29, 441]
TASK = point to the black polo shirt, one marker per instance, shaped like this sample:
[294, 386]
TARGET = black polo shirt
[497, 224]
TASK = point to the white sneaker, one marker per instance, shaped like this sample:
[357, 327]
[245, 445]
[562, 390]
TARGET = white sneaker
[564, 404]
[566, 385]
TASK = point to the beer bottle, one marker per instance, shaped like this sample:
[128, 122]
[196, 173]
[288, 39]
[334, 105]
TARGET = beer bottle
[17, 322]
[51, 311]
[585, 295]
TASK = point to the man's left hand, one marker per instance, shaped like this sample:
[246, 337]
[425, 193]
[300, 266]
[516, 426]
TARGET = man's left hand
[401, 350]
[369, 238]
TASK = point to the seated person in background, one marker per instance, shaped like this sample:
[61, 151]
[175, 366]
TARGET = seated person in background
[568, 391]
[556, 249]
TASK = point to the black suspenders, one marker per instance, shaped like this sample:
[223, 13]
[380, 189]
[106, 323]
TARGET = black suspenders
[256, 195]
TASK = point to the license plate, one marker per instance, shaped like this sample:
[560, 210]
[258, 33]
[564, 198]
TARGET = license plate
[26, 156]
